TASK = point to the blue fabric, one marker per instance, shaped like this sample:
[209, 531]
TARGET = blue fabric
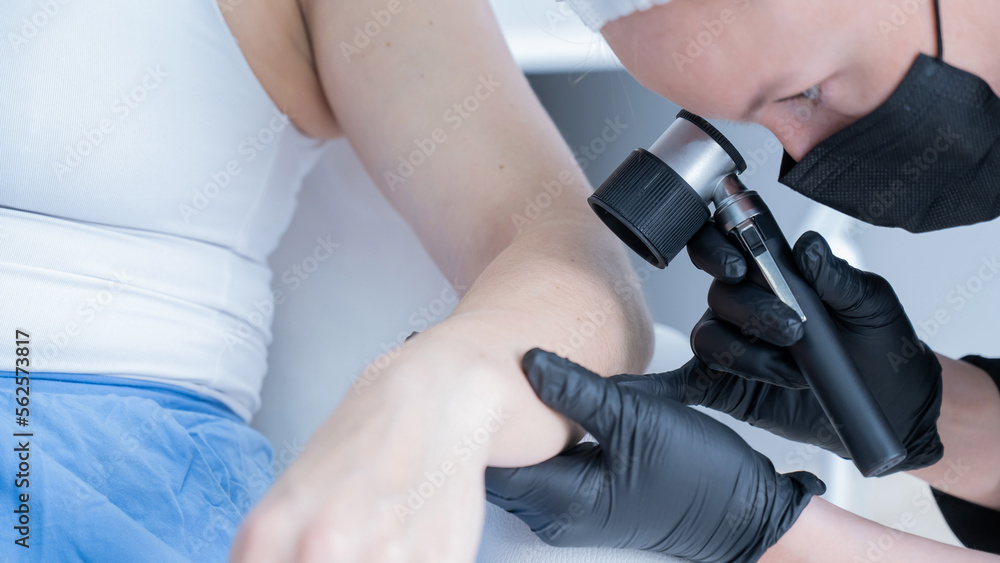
[127, 470]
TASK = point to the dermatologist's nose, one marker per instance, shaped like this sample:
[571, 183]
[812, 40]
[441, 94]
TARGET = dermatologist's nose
[796, 131]
[799, 128]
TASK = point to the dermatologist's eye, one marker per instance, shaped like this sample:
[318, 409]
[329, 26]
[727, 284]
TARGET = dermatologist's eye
[811, 94]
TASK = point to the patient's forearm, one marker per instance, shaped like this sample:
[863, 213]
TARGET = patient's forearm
[969, 426]
[826, 534]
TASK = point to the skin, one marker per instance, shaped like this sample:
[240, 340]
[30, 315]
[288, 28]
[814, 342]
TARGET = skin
[773, 50]
[825, 533]
[968, 426]
[537, 285]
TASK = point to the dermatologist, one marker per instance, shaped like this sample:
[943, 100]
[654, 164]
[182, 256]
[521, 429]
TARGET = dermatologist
[878, 121]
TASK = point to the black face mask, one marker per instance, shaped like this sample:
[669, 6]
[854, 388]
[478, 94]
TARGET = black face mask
[926, 159]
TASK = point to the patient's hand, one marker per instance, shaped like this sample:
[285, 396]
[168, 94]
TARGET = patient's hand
[396, 472]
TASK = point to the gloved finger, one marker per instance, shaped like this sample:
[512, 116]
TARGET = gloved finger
[853, 293]
[722, 348]
[757, 312]
[762, 404]
[671, 385]
[711, 252]
[808, 482]
[574, 391]
[535, 493]
[510, 486]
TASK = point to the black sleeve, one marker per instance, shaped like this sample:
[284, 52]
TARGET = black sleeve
[976, 526]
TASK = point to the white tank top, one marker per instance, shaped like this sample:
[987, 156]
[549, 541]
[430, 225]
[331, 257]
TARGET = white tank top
[145, 176]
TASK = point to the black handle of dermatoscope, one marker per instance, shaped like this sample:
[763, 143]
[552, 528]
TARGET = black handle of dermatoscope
[828, 369]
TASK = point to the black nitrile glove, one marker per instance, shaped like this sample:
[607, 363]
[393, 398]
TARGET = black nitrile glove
[746, 326]
[664, 477]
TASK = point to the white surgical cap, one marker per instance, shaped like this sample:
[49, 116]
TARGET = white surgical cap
[596, 13]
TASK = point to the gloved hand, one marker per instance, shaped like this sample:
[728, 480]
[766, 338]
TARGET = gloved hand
[663, 477]
[746, 328]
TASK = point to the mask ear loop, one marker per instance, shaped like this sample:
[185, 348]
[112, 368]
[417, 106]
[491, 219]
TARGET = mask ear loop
[937, 24]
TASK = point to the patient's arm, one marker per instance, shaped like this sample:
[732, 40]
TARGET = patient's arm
[826, 534]
[969, 426]
[439, 79]
[447, 125]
